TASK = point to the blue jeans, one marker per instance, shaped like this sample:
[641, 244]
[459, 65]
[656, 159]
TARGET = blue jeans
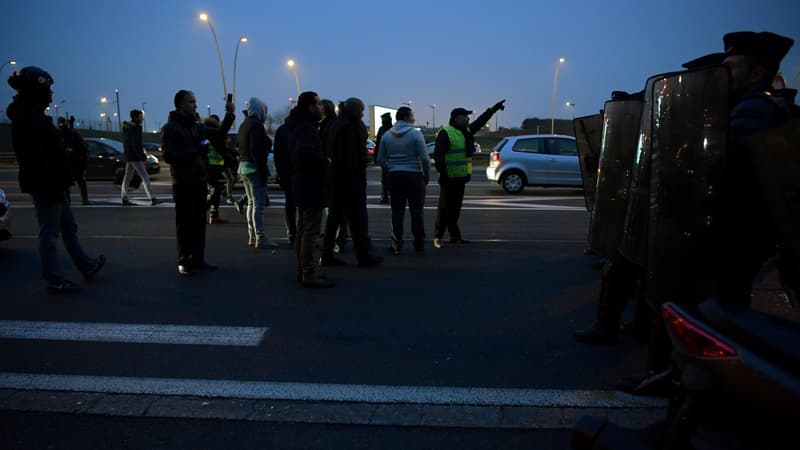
[256, 196]
[54, 215]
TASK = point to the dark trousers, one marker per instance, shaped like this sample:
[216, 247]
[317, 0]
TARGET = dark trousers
[384, 183]
[214, 189]
[309, 223]
[407, 187]
[350, 206]
[80, 180]
[190, 221]
[451, 197]
[290, 210]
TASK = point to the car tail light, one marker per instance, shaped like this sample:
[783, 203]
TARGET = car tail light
[696, 341]
[495, 156]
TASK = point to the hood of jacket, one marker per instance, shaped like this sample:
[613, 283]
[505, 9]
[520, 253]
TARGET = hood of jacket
[401, 128]
[257, 109]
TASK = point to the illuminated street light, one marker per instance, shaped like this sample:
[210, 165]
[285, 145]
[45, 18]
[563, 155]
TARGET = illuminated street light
[553, 108]
[235, 57]
[11, 62]
[293, 66]
[204, 17]
[571, 105]
[433, 111]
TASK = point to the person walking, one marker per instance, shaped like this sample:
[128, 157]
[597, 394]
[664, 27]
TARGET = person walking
[309, 162]
[403, 156]
[346, 141]
[77, 154]
[386, 125]
[254, 147]
[135, 157]
[182, 140]
[44, 173]
[455, 145]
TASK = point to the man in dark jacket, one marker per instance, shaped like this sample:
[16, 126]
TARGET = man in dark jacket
[77, 155]
[308, 183]
[135, 157]
[386, 125]
[182, 139]
[283, 165]
[44, 174]
[455, 145]
[347, 139]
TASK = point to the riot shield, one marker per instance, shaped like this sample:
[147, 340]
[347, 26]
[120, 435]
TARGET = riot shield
[690, 122]
[775, 157]
[620, 130]
[588, 131]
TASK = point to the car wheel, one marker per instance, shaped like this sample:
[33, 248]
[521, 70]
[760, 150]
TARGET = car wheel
[513, 182]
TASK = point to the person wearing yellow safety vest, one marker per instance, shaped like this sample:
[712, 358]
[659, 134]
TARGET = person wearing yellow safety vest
[455, 144]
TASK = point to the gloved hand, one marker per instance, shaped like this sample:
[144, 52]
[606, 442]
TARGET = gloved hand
[499, 106]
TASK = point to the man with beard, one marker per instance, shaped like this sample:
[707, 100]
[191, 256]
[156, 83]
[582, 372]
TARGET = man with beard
[182, 139]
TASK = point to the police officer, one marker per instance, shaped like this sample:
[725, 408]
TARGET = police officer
[44, 173]
[455, 145]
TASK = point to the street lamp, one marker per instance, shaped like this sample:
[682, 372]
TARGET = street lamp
[235, 57]
[204, 17]
[209, 110]
[119, 115]
[293, 66]
[433, 111]
[107, 120]
[571, 105]
[10, 61]
[144, 123]
[553, 107]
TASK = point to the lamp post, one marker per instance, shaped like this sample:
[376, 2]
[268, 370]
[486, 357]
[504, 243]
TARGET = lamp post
[235, 57]
[553, 107]
[293, 66]
[571, 105]
[204, 17]
[144, 123]
[433, 112]
[209, 110]
[106, 119]
[10, 61]
[119, 115]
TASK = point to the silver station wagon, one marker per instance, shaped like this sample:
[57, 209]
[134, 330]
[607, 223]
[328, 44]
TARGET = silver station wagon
[534, 160]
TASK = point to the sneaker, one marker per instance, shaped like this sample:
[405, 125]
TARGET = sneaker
[229, 200]
[154, 201]
[370, 261]
[266, 243]
[239, 208]
[184, 270]
[438, 243]
[98, 264]
[63, 287]
[126, 202]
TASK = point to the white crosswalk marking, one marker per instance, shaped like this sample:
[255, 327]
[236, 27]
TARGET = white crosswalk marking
[133, 333]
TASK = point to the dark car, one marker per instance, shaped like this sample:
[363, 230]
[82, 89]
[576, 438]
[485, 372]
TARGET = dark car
[153, 147]
[107, 160]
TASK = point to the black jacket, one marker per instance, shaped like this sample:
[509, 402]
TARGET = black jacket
[308, 160]
[76, 148]
[132, 140]
[42, 158]
[443, 145]
[254, 146]
[385, 126]
[181, 139]
[346, 144]
[283, 160]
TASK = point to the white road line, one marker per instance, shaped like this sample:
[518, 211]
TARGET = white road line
[133, 333]
[266, 390]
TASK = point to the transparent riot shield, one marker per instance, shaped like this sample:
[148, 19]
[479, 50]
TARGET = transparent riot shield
[620, 130]
[774, 155]
[690, 122]
[588, 132]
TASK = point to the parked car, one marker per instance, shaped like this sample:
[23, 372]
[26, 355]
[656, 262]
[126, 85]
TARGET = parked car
[431, 146]
[154, 148]
[534, 160]
[107, 160]
[5, 217]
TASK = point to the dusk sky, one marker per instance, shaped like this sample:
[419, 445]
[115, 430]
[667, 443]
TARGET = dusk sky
[447, 53]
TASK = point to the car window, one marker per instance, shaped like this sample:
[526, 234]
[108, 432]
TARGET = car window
[94, 148]
[500, 145]
[529, 145]
[563, 147]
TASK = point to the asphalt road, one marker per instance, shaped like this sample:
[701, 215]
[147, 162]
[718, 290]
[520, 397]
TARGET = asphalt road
[497, 314]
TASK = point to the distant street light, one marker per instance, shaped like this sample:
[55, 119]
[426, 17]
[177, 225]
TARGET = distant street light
[572, 105]
[293, 66]
[433, 111]
[107, 120]
[204, 17]
[209, 110]
[10, 61]
[235, 57]
[119, 115]
[144, 122]
[553, 107]
[291, 103]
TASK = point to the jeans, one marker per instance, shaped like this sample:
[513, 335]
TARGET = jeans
[54, 215]
[138, 167]
[407, 187]
[256, 193]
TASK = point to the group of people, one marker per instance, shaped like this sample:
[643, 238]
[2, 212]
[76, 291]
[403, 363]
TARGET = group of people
[685, 244]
